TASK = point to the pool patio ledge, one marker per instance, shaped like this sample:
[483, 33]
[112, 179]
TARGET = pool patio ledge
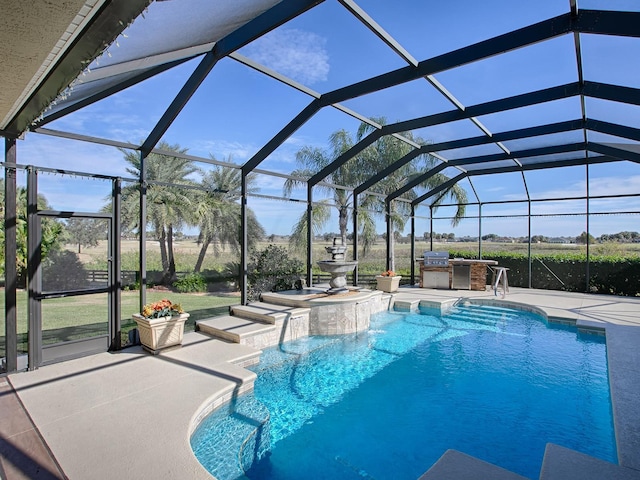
[130, 414]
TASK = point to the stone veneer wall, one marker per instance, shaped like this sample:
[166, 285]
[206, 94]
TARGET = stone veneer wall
[287, 330]
[346, 317]
[339, 318]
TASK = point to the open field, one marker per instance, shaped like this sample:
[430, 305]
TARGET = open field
[186, 253]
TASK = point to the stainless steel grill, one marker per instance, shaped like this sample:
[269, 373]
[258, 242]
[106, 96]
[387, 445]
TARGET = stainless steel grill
[436, 259]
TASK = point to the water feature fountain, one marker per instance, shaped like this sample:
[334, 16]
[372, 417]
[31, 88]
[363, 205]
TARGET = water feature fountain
[337, 267]
[338, 310]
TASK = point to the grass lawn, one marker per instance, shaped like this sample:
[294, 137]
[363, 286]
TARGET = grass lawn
[88, 313]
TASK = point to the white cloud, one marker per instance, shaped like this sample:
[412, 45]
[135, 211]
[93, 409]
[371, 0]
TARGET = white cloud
[295, 53]
[108, 121]
[223, 150]
[615, 185]
[237, 152]
[597, 187]
[569, 225]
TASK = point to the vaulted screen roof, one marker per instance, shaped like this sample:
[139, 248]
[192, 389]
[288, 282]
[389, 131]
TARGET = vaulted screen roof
[547, 86]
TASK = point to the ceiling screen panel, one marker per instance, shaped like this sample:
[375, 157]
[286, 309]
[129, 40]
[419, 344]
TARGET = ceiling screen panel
[427, 29]
[559, 183]
[499, 187]
[540, 141]
[535, 67]
[607, 59]
[538, 114]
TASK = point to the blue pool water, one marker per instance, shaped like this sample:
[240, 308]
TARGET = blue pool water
[494, 383]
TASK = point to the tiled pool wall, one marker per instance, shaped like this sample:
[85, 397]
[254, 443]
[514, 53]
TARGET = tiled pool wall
[340, 318]
[219, 400]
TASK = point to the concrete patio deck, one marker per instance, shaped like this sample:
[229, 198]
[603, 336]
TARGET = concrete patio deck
[129, 414]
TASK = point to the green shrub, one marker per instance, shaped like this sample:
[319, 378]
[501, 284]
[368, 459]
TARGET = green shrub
[190, 283]
[609, 274]
[63, 270]
[271, 270]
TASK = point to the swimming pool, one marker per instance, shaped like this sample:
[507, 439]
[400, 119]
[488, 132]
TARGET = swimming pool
[491, 382]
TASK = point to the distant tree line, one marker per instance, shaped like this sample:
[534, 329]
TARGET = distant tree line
[620, 237]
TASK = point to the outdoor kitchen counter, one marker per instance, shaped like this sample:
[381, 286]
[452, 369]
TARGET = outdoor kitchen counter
[467, 261]
[460, 273]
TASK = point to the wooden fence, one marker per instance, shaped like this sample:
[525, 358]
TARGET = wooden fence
[131, 277]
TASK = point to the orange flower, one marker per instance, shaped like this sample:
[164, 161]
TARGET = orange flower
[388, 273]
[163, 308]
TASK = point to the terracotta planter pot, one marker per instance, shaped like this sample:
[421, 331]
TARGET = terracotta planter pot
[156, 334]
[388, 284]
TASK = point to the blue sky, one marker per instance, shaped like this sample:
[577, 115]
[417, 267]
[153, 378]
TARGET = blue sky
[237, 110]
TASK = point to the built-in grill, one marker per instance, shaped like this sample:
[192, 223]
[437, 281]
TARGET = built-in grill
[438, 271]
[436, 259]
[435, 273]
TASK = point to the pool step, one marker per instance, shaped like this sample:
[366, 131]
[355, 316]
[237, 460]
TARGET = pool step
[490, 310]
[406, 305]
[267, 312]
[259, 324]
[474, 313]
[233, 328]
[474, 318]
[561, 463]
[485, 318]
[455, 465]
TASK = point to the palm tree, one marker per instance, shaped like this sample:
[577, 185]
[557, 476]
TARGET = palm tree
[218, 212]
[51, 232]
[312, 160]
[168, 207]
[356, 171]
[387, 150]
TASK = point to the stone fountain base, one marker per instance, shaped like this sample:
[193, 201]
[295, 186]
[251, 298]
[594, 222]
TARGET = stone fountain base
[336, 314]
[338, 270]
[337, 267]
